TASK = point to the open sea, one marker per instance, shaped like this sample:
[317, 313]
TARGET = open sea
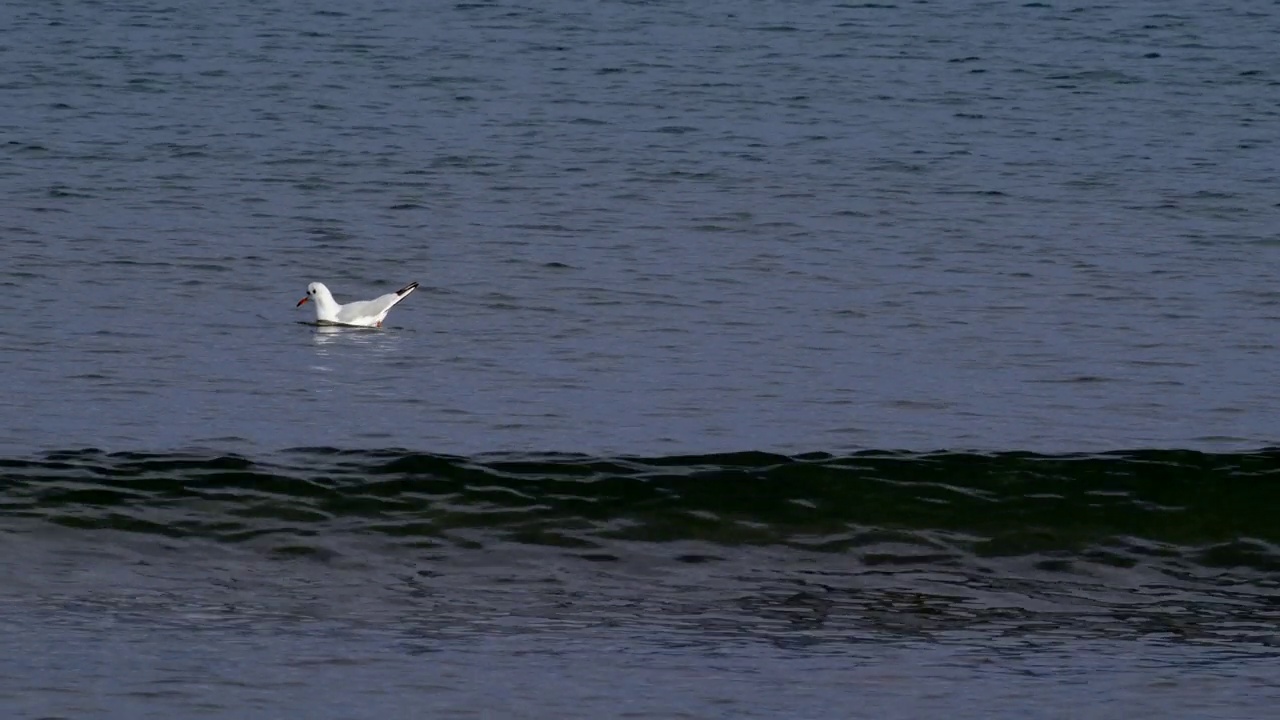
[804, 360]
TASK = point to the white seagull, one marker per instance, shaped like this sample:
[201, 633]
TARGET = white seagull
[362, 313]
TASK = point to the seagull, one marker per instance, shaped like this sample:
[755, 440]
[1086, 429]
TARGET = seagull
[363, 313]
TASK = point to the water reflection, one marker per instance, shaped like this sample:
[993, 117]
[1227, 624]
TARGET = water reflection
[329, 338]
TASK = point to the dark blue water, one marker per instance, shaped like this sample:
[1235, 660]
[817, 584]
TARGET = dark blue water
[684, 228]
[664, 231]
[350, 583]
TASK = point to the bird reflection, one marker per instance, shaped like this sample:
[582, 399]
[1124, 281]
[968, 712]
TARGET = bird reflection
[329, 338]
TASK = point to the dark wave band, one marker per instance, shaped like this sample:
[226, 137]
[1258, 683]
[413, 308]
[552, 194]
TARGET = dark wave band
[1107, 507]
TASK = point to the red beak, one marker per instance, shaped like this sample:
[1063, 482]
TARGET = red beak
[302, 301]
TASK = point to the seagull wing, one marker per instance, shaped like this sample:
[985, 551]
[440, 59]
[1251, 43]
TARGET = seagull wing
[371, 312]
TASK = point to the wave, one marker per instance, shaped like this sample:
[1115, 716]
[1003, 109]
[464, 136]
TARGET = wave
[1118, 509]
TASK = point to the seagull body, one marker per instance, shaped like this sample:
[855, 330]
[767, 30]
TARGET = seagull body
[363, 313]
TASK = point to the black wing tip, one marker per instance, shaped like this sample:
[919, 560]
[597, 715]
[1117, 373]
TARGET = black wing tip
[407, 288]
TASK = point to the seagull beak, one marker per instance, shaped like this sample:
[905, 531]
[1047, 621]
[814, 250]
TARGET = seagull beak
[303, 300]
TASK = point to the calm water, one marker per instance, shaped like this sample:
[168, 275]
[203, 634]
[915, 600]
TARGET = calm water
[648, 234]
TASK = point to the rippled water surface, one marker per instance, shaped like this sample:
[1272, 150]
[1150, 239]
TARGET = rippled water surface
[642, 227]
[334, 583]
[681, 265]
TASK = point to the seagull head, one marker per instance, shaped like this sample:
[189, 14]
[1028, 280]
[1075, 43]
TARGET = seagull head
[316, 291]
